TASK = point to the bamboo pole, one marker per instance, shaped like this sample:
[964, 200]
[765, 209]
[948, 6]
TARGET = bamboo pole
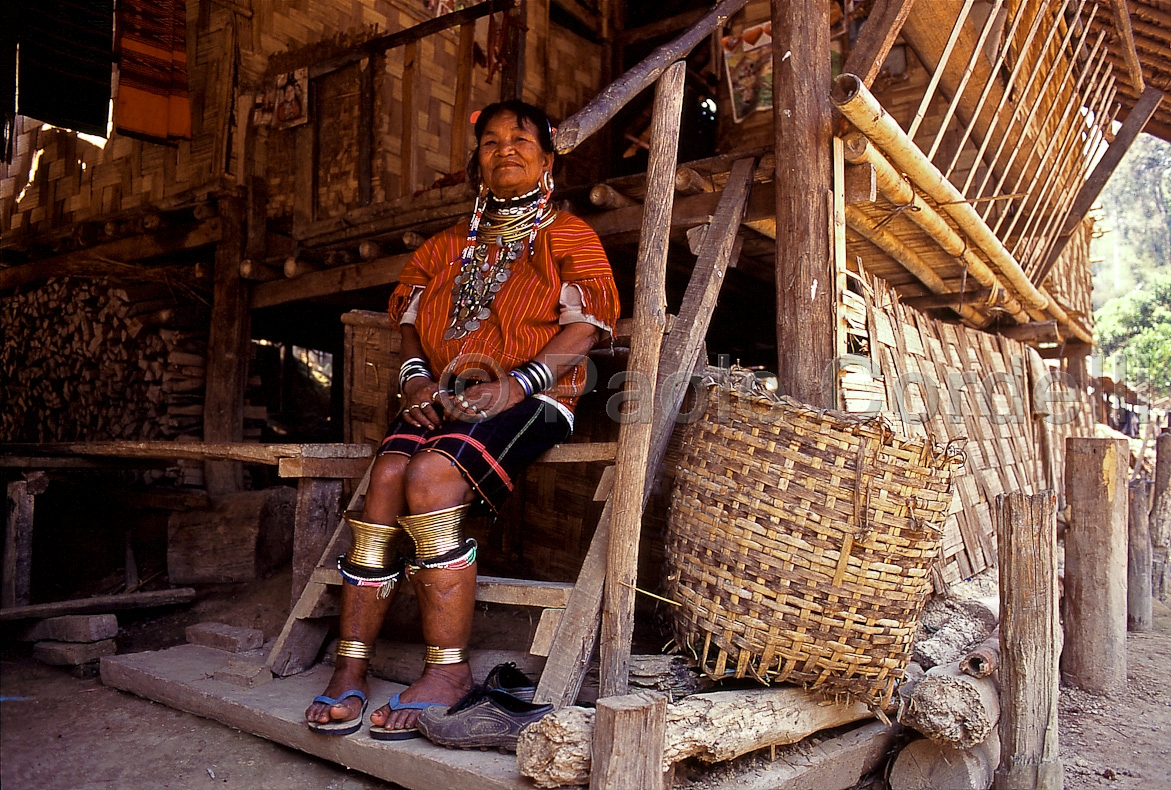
[634, 436]
[860, 107]
[876, 38]
[929, 94]
[896, 189]
[1126, 34]
[1030, 642]
[1056, 129]
[953, 105]
[589, 119]
[1027, 122]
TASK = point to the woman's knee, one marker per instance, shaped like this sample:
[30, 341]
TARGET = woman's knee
[433, 482]
[389, 471]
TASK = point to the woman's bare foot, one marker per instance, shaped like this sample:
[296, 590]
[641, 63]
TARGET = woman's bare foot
[442, 683]
[348, 674]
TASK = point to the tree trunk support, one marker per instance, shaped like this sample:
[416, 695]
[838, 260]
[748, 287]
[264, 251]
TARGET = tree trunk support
[1094, 657]
[1030, 642]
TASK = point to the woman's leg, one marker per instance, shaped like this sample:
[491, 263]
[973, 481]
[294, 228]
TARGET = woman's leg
[447, 596]
[364, 608]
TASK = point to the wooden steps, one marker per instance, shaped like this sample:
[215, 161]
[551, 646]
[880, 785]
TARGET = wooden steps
[491, 589]
[182, 678]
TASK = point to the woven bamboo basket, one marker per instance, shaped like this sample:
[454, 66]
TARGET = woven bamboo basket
[800, 543]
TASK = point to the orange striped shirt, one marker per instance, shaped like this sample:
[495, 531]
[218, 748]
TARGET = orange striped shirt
[526, 310]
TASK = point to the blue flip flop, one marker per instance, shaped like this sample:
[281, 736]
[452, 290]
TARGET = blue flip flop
[401, 734]
[340, 727]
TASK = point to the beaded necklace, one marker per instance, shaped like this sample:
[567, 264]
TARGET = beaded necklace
[507, 222]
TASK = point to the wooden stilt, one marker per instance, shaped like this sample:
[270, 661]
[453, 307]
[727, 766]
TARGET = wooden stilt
[1094, 657]
[1160, 519]
[227, 353]
[804, 262]
[1139, 615]
[628, 742]
[1030, 642]
[18, 540]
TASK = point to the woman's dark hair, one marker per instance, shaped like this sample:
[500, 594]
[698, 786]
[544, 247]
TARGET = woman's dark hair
[523, 112]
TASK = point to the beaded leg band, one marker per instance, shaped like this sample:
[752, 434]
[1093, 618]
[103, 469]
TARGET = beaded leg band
[445, 655]
[352, 648]
[372, 560]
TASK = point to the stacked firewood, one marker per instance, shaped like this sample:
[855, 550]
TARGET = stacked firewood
[92, 360]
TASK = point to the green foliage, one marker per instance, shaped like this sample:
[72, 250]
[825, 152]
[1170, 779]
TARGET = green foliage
[1138, 327]
[1135, 221]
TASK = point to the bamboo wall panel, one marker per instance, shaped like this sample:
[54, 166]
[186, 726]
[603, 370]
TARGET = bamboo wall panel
[953, 384]
[1071, 281]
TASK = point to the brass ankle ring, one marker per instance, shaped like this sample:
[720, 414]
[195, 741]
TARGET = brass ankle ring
[352, 648]
[445, 655]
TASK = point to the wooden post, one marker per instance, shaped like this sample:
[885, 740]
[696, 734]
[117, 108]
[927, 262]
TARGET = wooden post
[409, 155]
[1139, 614]
[228, 352]
[16, 575]
[634, 437]
[1160, 519]
[628, 740]
[805, 273]
[318, 511]
[1094, 657]
[513, 69]
[1030, 642]
[463, 90]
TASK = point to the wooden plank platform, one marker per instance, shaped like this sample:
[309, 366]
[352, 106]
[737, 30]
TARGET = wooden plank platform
[181, 678]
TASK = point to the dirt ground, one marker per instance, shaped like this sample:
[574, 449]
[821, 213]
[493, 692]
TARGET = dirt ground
[61, 731]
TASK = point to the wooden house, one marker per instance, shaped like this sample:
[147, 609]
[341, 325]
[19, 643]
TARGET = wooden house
[912, 239]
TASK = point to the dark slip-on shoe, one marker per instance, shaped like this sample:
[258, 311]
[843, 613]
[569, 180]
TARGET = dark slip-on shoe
[506, 677]
[484, 719]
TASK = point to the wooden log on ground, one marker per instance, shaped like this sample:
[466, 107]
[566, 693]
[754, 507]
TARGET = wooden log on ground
[711, 727]
[983, 659]
[1030, 641]
[1160, 520]
[1094, 655]
[242, 537]
[927, 765]
[100, 603]
[628, 743]
[952, 708]
[1139, 616]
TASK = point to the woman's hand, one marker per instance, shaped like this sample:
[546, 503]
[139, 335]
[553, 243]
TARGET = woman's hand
[420, 396]
[486, 400]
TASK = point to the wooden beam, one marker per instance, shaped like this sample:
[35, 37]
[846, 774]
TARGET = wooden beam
[937, 301]
[408, 154]
[382, 44]
[805, 273]
[228, 351]
[589, 119]
[366, 105]
[1146, 106]
[662, 27]
[463, 89]
[18, 542]
[877, 36]
[1030, 641]
[109, 260]
[589, 20]
[634, 436]
[100, 604]
[248, 452]
[1134, 67]
[341, 279]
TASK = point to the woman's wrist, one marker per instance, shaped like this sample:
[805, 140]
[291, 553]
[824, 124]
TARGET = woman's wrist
[413, 368]
[534, 377]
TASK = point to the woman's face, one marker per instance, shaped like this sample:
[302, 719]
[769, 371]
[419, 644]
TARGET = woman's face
[511, 159]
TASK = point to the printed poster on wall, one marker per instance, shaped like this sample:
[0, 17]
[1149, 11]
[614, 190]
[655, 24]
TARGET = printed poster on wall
[291, 103]
[441, 7]
[748, 62]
